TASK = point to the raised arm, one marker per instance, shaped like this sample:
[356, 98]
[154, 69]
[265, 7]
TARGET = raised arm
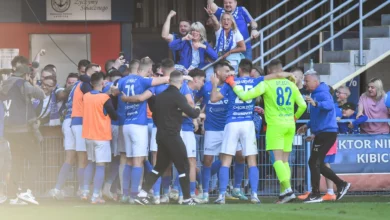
[250, 94]
[167, 26]
[213, 6]
[214, 20]
[37, 57]
[215, 95]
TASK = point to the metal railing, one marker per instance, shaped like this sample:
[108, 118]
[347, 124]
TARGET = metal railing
[308, 144]
[330, 15]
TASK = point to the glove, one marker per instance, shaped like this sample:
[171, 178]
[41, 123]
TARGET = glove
[292, 79]
[230, 80]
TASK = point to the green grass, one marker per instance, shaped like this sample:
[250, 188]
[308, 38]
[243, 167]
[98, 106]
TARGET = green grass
[354, 208]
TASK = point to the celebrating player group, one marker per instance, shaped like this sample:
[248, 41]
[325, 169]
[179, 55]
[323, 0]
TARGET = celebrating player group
[141, 130]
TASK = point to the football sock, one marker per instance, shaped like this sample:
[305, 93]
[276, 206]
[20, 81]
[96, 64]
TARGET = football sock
[148, 166]
[88, 174]
[126, 179]
[80, 177]
[192, 188]
[166, 182]
[121, 169]
[223, 179]
[157, 187]
[136, 175]
[254, 179]
[215, 167]
[239, 169]
[62, 176]
[98, 180]
[114, 170]
[282, 174]
[206, 178]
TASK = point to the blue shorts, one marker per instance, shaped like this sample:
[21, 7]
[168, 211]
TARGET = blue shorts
[330, 158]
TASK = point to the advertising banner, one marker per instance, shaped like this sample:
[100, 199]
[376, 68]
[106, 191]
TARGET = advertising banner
[78, 10]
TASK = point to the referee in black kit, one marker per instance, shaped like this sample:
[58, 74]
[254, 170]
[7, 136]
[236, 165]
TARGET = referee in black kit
[168, 108]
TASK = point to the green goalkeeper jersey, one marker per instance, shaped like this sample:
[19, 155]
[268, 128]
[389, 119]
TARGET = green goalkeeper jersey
[279, 98]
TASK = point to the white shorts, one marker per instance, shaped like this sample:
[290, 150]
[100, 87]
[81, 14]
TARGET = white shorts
[121, 140]
[98, 151]
[236, 133]
[190, 142]
[69, 140]
[114, 141]
[213, 143]
[136, 140]
[153, 142]
[78, 135]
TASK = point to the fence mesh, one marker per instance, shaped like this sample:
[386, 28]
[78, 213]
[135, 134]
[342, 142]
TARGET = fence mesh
[53, 156]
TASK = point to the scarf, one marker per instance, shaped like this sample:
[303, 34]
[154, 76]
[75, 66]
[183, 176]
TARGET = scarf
[234, 13]
[221, 46]
[54, 111]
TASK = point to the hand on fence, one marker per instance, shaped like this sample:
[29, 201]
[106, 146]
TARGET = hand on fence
[254, 34]
[310, 138]
[302, 130]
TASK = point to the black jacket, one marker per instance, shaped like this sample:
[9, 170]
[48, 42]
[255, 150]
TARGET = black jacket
[167, 108]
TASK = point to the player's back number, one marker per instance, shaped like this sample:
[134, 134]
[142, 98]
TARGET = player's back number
[280, 92]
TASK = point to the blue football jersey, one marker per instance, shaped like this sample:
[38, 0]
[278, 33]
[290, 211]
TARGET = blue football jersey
[239, 110]
[135, 113]
[107, 87]
[69, 102]
[187, 124]
[161, 88]
[216, 113]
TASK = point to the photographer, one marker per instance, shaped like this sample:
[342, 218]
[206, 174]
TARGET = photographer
[21, 129]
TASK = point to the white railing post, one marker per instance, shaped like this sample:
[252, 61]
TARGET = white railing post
[360, 32]
[331, 25]
[262, 48]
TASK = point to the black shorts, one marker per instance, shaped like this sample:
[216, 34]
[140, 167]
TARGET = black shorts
[5, 157]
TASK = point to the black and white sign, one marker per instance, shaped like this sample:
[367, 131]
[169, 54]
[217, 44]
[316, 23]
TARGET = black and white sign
[78, 10]
[6, 56]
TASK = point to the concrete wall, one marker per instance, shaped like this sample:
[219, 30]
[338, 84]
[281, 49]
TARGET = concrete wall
[380, 70]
